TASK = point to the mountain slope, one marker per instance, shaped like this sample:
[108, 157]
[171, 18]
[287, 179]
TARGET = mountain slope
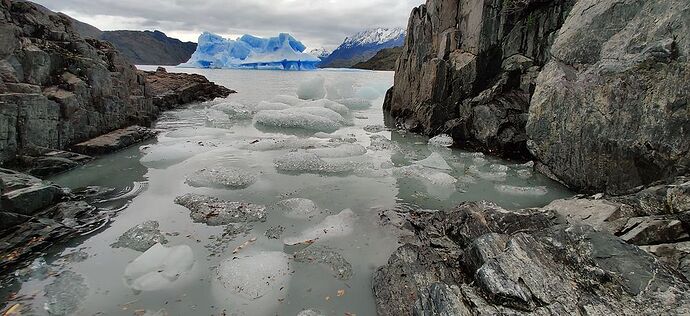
[363, 46]
[150, 47]
[385, 59]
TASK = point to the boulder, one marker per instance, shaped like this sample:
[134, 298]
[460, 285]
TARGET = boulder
[26, 195]
[114, 141]
[480, 259]
[610, 110]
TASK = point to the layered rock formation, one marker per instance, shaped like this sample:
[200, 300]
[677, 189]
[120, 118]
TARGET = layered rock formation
[611, 108]
[468, 69]
[57, 89]
[480, 259]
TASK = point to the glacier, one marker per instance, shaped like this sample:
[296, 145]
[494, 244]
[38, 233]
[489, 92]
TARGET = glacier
[283, 52]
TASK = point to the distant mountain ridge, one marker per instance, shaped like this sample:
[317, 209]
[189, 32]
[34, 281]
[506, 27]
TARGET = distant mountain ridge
[385, 60]
[141, 47]
[363, 46]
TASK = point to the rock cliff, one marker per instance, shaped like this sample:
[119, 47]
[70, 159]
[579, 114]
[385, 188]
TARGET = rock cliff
[611, 109]
[468, 68]
[58, 89]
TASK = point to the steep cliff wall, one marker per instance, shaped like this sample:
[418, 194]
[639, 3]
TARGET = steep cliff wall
[56, 88]
[611, 109]
[468, 68]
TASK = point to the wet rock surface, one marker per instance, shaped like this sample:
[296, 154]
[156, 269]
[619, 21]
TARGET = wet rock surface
[468, 69]
[170, 90]
[114, 140]
[324, 255]
[141, 237]
[610, 110]
[481, 259]
[216, 212]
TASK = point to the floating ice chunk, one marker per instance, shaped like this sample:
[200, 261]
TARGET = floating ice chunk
[498, 168]
[361, 117]
[480, 161]
[528, 191]
[443, 140]
[367, 93]
[380, 142]
[435, 161]
[305, 162]
[374, 128]
[340, 89]
[163, 156]
[287, 99]
[234, 110]
[158, 267]
[255, 281]
[310, 312]
[323, 112]
[221, 177]
[269, 144]
[267, 106]
[215, 212]
[215, 117]
[141, 237]
[65, 294]
[197, 133]
[491, 176]
[524, 173]
[355, 104]
[431, 176]
[324, 255]
[292, 119]
[298, 208]
[332, 226]
[344, 150]
[312, 89]
[328, 104]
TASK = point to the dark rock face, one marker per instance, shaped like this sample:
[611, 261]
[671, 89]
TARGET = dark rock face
[468, 69]
[610, 111]
[25, 195]
[479, 259]
[58, 89]
[150, 47]
[384, 60]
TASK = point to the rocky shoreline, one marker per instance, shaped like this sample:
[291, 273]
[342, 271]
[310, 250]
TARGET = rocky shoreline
[596, 94]
[64, 100]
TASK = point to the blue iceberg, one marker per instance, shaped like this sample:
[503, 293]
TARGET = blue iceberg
[283, 52]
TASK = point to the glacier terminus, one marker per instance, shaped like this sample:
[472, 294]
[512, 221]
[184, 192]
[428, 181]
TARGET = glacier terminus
[283, 52]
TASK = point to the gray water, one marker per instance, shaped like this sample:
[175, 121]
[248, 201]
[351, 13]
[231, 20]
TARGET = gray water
[196, 138]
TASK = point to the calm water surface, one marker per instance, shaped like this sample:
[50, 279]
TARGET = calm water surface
[196, 138]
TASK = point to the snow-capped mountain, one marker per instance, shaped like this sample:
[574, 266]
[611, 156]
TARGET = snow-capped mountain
[362, 46]
[375, 36]
[321, 53]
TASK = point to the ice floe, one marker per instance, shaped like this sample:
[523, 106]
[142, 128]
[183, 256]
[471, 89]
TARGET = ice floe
[306, 162]
[298, 208]
[221, 177]
[340, 151]
[435, 161]
[333, 226]
[443, 140]
[312, 89]
[158, 267]
[141, 237]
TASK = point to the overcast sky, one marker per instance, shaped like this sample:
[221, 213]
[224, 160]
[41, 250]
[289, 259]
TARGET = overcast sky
[317, 23]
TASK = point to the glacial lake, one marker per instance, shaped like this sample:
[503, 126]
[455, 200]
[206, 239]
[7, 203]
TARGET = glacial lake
[353, 176]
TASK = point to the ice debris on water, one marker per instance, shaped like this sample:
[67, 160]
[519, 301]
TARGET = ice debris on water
[258, 279]
[310, 312]
[216, 212]
[158, 267]
[339, 89]
[355, 104]
[524, 173]
[380, 142]
[234, 110]
[312, 89]
[327, 256]
[297, 208]
[333, 226]
[141, 237]
[435, 161]
[271, 106]
[443, 140]
[65, 294]
[517, 190]
[431, 176]
[291, 143]
[340, 151]
[487, 175]
[274, 232]
[306, 162]
[328, 104]
[287, 99]
[367, 93]
[310, 119]
[374, 128]
[221, 177]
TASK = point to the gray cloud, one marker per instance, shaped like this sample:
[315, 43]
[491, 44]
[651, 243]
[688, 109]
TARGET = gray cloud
[315, 22]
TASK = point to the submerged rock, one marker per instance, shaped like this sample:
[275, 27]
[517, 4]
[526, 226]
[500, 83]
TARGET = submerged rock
[65, 294]
[158, 267]
[216, 212]
[298, 208]
[481, 259]
[141, 237]
[324, 255]
[274, 232]
[221, 177]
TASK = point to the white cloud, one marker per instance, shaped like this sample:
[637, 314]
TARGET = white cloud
[315, 22]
